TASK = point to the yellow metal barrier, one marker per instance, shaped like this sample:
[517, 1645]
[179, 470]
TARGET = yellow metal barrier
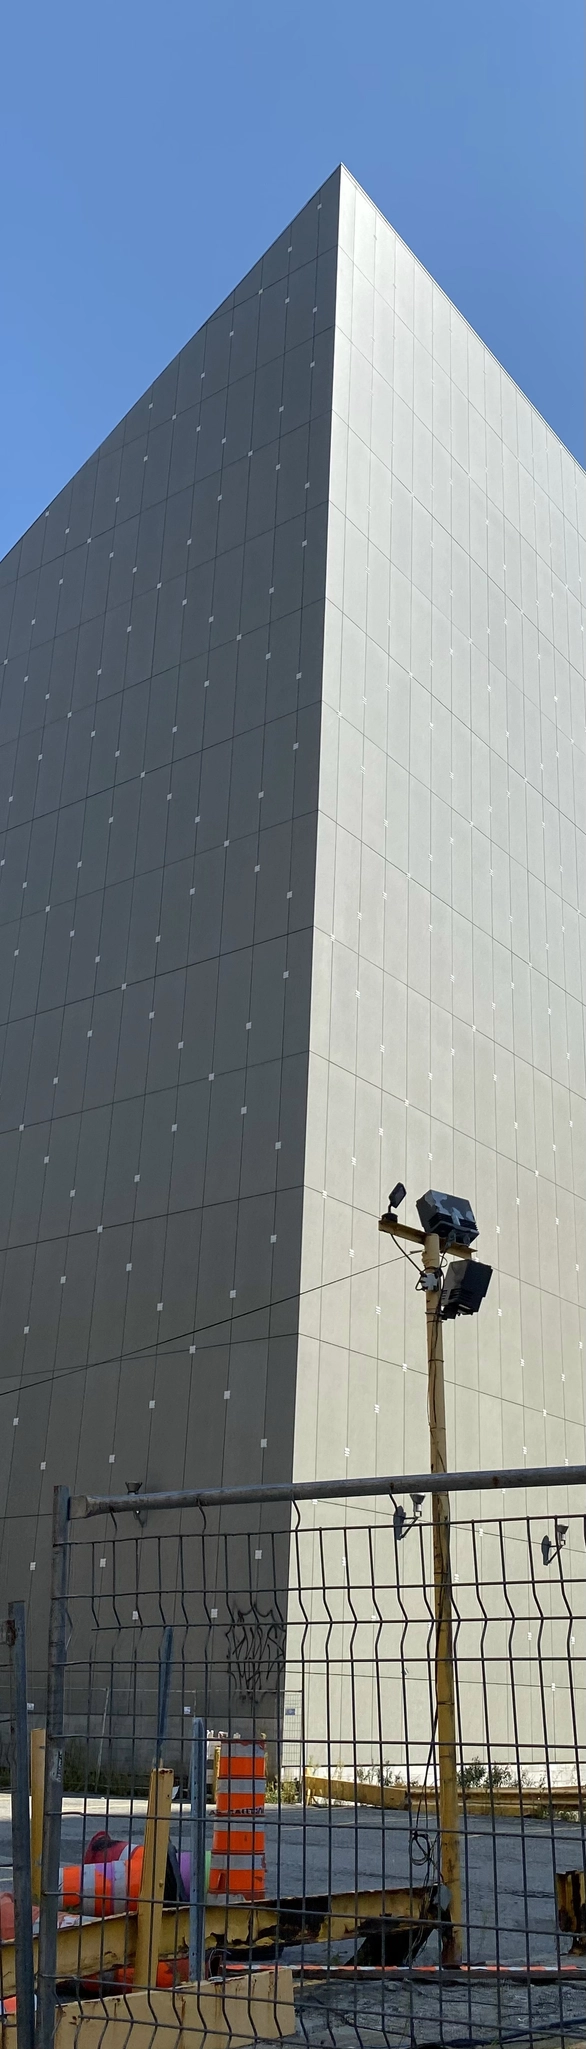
[530, 1800]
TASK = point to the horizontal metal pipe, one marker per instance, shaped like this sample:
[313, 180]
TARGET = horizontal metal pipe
[84, 1505]
[436, 1975]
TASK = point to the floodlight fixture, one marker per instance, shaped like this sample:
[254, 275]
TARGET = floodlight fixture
[464, 1288]
[139, 1513]
[451, 1216]
[401, 1522]
[397, 1195]
[550, 1551]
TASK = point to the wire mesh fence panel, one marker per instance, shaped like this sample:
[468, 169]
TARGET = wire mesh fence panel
[253, 1833]
[15, 1894]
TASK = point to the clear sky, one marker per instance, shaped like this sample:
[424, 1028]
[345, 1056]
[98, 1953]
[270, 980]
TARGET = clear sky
[150, 152]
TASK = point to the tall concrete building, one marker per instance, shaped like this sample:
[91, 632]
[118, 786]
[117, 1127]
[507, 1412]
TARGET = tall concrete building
[292, 900]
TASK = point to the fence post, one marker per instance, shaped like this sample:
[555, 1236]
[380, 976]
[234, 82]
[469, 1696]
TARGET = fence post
[197, 1880]
[152, 1885]
[165, 1661]
[21, 1843]
[53, 1773]
[37, 1800]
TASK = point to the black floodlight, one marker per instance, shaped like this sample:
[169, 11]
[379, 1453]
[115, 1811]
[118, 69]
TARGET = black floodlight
[397, 1195]
[464, 1288]
[450, 1215]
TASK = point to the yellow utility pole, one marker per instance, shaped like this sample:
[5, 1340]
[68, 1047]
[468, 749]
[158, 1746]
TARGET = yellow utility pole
[442, 1574]
[444, 1642]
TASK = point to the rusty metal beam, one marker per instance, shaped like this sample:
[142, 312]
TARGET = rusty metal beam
[95, 1947]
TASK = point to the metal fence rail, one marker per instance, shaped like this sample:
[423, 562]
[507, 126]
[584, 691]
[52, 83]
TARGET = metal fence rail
[303, 1630]
[86, 1505]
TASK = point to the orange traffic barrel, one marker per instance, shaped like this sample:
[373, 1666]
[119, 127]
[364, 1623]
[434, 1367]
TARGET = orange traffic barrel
[238, 1849]
[98, 1889]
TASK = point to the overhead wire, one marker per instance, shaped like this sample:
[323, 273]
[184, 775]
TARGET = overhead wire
[406, 1255]
[197, 1330]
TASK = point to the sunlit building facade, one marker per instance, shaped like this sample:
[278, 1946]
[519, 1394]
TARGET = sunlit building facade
[292, 900]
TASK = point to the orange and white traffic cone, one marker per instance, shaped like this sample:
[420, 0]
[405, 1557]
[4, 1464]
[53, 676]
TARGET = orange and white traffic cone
[238, 1863]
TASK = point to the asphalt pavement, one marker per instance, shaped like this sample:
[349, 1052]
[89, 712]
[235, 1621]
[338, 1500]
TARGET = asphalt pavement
[511, 1916]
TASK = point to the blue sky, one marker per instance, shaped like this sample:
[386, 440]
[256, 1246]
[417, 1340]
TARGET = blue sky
[151, 152]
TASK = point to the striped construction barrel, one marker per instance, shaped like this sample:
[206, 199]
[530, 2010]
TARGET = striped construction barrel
[97, 1889]
[238, 1849]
